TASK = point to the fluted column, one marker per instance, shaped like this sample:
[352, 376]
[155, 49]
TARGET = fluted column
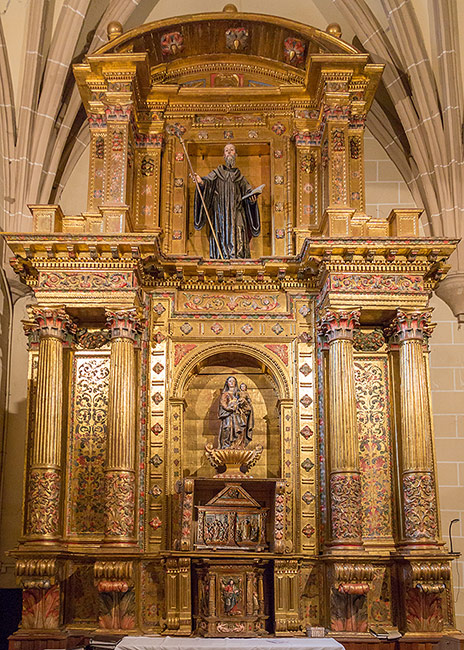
[124, 329]
[337, 328]
[53, 328]
[420, 522]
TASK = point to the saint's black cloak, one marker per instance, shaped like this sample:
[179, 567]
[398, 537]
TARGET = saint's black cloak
[235, 221]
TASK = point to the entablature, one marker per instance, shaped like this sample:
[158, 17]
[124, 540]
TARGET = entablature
[141, 255]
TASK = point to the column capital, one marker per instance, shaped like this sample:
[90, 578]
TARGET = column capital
[124, 323]
[50, 322]
[336, 324]
[410, 325]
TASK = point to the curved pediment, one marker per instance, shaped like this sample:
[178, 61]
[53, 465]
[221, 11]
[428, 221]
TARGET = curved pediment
[227, 49]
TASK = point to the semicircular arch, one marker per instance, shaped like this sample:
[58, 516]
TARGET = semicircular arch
[275, 368]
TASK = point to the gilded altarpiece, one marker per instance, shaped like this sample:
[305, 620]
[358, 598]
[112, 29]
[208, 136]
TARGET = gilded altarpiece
[137, 332]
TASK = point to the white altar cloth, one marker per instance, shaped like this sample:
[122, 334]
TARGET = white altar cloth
[247, 643]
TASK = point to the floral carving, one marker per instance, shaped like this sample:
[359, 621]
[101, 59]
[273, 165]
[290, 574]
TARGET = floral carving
[308, 497]
[338, 140]
[44, 502]
[156, 460]
[277, 329]
[155, 523]
[240, 303]
[157, 398]
[147, 166]
[41, 608]
[118, 141]
[308, 531]
[279, 128]
[345, 500]
[247, 328]
[159, 309]
[420, 507]
[355, 147]
[93, 339]
[306, 432]
[157, 428]
[186, 328]
[305, 369]
[307, 465]
[368, 282]
[100, 147]
[308, 164]
[79, 280]
[158, 337]
[119, 502]
[88, 445]
[368, 341]
[424, 611]
[216, 328]
[372, 408]
[181, 350]
[281, 350]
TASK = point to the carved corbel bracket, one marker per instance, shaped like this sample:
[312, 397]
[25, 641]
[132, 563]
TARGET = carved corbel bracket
[115, 575]
[353, 579]
[430, 577]
[39, 573]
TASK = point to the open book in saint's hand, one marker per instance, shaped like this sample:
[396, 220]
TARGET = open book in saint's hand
[256, 191]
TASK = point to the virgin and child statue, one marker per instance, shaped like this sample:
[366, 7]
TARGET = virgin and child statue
[236, 415]
[234, 218]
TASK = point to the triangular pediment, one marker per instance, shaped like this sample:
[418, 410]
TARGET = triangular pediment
[233, 496]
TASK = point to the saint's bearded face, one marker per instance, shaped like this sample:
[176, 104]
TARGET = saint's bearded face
[230, 155]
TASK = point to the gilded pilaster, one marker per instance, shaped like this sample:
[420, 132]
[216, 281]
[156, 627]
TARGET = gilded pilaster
[118, 172]
[121, 446]
[420, 521]
[337, 328]
[54, 328]
[287, 597]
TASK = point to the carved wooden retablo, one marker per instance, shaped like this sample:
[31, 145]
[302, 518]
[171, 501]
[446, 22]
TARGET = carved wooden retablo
[323, 322]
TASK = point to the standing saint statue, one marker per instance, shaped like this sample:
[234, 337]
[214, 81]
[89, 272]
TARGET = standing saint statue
[235, 220]
[236, 416]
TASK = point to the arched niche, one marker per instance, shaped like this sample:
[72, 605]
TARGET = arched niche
[199, 385]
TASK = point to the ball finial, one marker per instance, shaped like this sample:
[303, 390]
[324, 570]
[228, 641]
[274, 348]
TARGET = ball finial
[334, 29]
[114, 30]
[230, 9]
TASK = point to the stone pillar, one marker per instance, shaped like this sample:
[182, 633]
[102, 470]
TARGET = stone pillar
[53, 328]
[124, 328]
[337, 327]
[420, 521]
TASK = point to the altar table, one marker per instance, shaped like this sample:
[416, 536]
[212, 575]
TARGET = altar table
[201, 643]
